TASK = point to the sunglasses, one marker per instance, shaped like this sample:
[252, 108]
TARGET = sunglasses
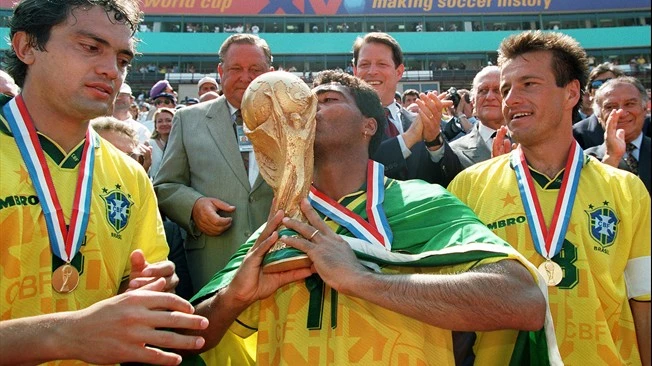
[163, 101]
[595, 84]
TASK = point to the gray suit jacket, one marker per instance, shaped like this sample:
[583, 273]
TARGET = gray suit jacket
[202, 159]
[644, 162]
[470, 149]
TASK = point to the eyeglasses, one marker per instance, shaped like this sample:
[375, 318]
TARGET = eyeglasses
[595, 84]
[163, 101]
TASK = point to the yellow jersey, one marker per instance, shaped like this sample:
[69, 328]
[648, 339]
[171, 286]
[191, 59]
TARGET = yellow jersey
[605, 255]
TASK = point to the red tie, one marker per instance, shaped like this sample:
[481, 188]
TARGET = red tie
[390, 130]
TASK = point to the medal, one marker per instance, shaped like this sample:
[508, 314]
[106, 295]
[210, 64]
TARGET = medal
[65, 279]
[65, 242]
[551, 272]
[549, 241]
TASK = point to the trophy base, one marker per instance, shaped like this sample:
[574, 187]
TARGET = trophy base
[286, 259]
[282, 258]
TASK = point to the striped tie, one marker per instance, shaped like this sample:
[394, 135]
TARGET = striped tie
[245, 154]
[631, 161]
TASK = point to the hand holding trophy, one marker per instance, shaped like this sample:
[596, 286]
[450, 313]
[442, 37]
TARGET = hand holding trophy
[279, 111]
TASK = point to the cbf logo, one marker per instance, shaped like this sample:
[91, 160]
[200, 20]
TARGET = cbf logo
[603, 224]
[118, 209]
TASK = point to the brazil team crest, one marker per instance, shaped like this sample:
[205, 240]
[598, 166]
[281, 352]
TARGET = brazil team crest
[603, 224]
[118, 208]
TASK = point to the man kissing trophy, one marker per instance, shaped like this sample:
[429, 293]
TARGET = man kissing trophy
[278, 110]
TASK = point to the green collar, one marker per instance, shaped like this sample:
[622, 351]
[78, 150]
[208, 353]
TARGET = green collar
[69, 161]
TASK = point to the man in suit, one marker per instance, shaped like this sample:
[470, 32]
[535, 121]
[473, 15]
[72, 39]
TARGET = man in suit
[485, 94]
[413, 146]
[589, 132]
[620, 106]
[209, 182]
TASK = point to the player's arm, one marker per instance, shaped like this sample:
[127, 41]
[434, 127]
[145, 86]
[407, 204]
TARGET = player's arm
[249, 285]
[501, 295]
[118, 329]
[641, 314]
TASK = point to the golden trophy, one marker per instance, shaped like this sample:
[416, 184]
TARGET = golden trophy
[279, 111]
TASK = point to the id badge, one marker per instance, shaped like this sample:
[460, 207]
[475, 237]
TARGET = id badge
[243, 141]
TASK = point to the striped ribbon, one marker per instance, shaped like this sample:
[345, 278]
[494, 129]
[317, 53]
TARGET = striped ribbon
[548, 241]
[376, 230]
[65, 243]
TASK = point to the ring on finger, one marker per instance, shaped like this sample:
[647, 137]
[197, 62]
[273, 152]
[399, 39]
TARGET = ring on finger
[313, 234]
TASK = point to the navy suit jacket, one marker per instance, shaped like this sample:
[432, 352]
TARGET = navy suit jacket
[644, 159]
[418, 165]
[589, 132]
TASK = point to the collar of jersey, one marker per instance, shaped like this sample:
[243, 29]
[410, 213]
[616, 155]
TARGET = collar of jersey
[50, 148]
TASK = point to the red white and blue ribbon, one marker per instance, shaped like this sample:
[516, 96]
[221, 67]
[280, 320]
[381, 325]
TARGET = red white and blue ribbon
[548, 241]
[376, 230]
[65, 242]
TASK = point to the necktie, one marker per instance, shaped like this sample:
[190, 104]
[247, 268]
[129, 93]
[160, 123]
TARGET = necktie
[490, 142]
[244, 154]
[631, 161]
[390, 129]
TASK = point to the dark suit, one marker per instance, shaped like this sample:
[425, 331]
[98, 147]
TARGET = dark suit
[471, 149]
[589, 132]
[418, 165]
[202, 159]
[644, 159]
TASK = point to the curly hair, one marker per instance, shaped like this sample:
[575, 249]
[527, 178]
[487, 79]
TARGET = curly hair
[366, 99]
[37, 17]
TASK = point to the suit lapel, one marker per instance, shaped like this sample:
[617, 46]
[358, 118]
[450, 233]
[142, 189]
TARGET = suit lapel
[477, 150]
[219, 124]
[482, 152]
[406, 118]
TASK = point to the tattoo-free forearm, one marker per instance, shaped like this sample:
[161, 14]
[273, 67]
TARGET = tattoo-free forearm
[502, 295]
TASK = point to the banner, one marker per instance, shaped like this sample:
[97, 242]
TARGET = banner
[384, 7]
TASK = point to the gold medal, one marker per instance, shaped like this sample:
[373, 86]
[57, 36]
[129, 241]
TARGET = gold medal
[65, 279]
[551, 272]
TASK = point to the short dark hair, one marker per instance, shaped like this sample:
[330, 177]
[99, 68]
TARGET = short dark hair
[37, 17]
[569, 60]
[244, 38]
[382, 38]
[366, 99]
[412, 92]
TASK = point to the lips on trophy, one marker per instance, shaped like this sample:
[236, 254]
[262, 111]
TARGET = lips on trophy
[279, 111]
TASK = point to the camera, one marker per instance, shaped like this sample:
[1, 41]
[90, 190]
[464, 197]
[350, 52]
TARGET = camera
[455, 96]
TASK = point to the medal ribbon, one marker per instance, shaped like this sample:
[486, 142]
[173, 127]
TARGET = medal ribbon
[376, 230]
[64, 243]
[548, 242]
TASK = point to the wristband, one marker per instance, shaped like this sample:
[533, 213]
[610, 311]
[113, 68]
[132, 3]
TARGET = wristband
[438, 141]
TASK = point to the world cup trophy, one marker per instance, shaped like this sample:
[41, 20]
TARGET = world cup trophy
[279, 111]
